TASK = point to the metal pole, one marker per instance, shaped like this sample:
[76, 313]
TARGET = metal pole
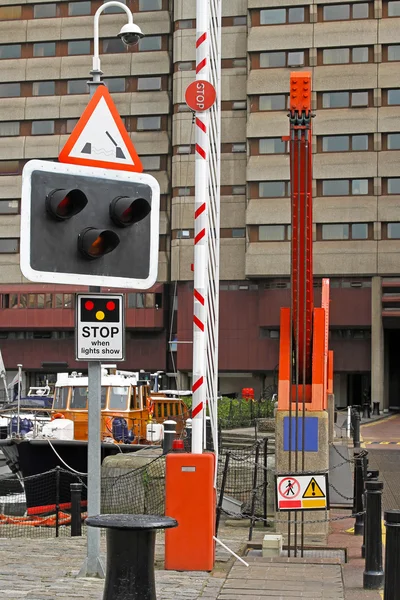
[200, 235]
[76, 520]
[392, 554]
[358, 494]
[265, 514]
[254, 493]
[221, 494]
[372, 475]
[58, 469]
[19, 396]
[373, 573]
[356, 433]
[348, 422]
[169, 435]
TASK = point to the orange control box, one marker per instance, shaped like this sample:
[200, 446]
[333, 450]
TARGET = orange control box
[190, 499]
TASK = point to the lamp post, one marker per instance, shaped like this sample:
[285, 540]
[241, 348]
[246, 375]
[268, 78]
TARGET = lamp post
[130, 35]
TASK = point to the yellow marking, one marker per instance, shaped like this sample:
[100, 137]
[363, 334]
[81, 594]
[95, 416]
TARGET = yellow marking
[385, 443]
[380, 422]
[100, 315]
[351, 530]
[314, 503]
[313, 490]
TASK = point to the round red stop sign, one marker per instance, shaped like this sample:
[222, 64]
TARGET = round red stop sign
[200, 95]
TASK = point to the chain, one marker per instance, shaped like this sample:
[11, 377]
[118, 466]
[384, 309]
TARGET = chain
[340, 493]
[286, 522]
[346, 460]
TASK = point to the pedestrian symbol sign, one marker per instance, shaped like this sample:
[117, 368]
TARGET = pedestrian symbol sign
[100, 138]
[302, 492]
[313, 490]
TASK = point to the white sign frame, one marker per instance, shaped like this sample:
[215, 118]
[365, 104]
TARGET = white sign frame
[87, 279]
[83, 341]
[290, 489]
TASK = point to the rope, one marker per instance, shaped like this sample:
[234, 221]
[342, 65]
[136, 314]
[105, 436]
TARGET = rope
[63, 461]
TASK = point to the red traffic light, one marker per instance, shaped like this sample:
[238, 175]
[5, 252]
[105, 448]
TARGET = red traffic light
[125, 211]
[95, 243]
[63, 204]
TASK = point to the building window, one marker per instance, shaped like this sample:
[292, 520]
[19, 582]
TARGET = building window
[78, 47]
[344, 99]
[186, 24]
[8, 13]
[342, 56]
[393, 97]
[42, 127]
[239, 232]
[272, 233]
[76, 9]
[145, 84]
[8, 90]
[393, 141]
[10, 51]
[9, 245]
[241, 20]
[238, 147]
[345, 187]
[344, 143]
[9, 167]
[43, 88]
[41, 11]
[393, 52]
[70, 125]
[151, 163]
[342, 12]
[272, 146]
[272, 189]
[183, 234]
[77, 86]
[9, 128]
[272, 102]
[151, 42]
[185, 66]
[145, 5]
[9, 207]
[287, 58]
[113, 9]
[393, 185]
[393, 7]
[238, 190]
[41, 49]
[278, 16]
[393, 231]
[148, 123]
[115, 84]
[113, 46]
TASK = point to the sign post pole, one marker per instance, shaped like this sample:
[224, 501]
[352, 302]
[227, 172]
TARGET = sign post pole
[99, 318]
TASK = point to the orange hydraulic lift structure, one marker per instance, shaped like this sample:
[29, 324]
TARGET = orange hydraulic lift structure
[305, 364]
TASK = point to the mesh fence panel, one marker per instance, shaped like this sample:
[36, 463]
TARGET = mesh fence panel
[29, 507]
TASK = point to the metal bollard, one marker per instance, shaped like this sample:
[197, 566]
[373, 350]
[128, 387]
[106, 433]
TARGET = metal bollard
[366, 410]
[130, 554]
[392, 554]
[372, 475]
[356, 428]
[375, 410]
[358, 494]
[373, 573]
[76, 520]
[169, 435]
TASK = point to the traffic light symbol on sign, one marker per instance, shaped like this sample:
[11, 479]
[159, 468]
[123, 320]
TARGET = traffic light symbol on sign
[89, 226]
[99, 310]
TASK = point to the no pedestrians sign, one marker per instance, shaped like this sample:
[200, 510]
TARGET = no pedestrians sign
[99, 327]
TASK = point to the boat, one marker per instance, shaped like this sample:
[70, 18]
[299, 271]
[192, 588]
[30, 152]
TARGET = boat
[131, 419]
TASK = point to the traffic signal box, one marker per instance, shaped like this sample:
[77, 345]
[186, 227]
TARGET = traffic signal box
[190, 498]
[89, 226]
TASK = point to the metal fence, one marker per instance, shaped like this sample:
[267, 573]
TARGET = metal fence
[40, 506]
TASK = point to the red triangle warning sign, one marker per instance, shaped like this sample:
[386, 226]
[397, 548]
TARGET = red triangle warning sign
[100, 139]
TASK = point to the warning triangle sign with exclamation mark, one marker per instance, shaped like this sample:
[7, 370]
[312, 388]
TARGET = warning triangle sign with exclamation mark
[313, 490]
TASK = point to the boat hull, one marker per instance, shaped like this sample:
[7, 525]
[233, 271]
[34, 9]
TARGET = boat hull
[32, 458]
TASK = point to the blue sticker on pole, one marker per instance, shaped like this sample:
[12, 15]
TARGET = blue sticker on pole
[296, 433]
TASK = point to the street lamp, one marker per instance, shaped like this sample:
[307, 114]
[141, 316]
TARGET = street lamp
[130, 34]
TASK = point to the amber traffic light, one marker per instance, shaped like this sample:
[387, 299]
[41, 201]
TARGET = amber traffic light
[95, 243]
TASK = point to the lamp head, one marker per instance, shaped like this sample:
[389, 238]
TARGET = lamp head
[130, 34]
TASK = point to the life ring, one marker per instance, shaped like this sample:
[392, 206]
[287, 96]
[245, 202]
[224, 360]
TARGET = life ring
[57, 416]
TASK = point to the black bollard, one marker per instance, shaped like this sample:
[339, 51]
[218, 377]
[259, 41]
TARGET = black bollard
[372, 475]
[76, 520]
[373, 573]
[392, 555]
[375, 410]
[366, 410]
[130, 554]
[169, 435]
[356, 428]
[358, 494]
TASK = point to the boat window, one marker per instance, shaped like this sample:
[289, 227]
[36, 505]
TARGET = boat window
[79, 398]
[103, 397]
[118, 398]
[61, 397]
